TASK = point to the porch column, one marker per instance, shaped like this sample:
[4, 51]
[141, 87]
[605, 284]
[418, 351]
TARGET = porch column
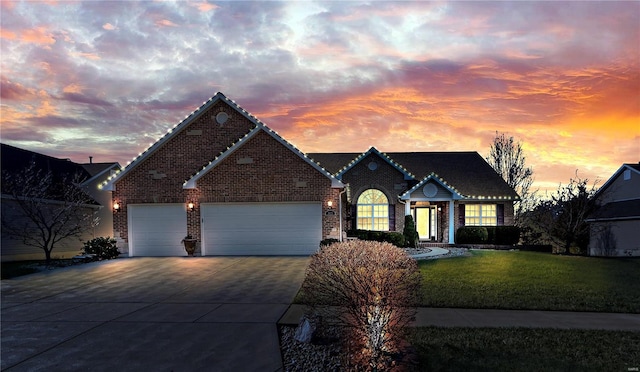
[407, 208]
[452, 230]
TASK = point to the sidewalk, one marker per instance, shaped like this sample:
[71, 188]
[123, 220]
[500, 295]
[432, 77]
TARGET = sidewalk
[446, 317]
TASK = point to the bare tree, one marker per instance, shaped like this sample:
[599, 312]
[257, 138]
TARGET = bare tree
[506, 156]
[44, 209]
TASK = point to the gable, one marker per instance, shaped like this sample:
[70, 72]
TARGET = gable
[261, 169]
[624, 184]
[187, 147]
[373, 159]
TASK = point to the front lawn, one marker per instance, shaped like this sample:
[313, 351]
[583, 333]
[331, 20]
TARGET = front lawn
[530, 280]
[523, 349]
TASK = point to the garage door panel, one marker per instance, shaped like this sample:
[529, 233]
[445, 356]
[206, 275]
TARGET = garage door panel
[261, 228]
[157, 230]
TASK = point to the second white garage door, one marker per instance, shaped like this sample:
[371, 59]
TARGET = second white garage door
[261, 228]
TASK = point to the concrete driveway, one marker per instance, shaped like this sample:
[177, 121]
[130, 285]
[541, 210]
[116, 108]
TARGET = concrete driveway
[154, 314]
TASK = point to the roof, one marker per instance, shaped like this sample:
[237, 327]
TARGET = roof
[14, 160]
[466, 172]
[633, 167]
[219, 96]
[619, 210]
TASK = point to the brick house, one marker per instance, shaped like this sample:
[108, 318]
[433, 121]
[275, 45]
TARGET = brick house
[441, 190]
[224, 178]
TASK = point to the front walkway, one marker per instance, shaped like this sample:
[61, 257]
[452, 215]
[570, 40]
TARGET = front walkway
[446, 317]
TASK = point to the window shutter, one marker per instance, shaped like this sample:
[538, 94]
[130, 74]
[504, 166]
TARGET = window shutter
[354, 217]
[392, 217]
[461, 215]
[500, 214]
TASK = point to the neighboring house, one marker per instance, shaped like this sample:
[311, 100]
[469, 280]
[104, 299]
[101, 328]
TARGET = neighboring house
[91, 174]
[441, 190]
[224, 178]
[615, 225]
[227, 180]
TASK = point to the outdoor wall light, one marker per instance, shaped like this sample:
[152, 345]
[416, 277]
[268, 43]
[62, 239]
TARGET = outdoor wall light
[190, 206]
[330, 204]
[116, 207]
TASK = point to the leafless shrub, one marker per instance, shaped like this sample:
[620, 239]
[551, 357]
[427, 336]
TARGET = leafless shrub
[369, 288]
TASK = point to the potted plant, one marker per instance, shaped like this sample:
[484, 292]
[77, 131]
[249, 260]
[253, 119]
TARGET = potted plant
[189, 244]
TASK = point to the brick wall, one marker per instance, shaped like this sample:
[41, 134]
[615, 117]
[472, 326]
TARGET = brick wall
[385, 178]
[274, 173]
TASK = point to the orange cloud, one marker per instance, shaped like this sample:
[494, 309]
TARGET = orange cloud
[38, 35]
[165, 23]
[204, 7]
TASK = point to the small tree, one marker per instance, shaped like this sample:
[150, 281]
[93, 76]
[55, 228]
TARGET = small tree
[410, 233]
[53, 209]
[560, 221]
[368, 287]
[506, 156]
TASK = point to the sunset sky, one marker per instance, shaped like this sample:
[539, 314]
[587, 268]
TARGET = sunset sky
[107, 79]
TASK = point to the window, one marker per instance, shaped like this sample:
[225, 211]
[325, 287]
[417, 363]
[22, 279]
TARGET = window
[373, 211]
[480, 215]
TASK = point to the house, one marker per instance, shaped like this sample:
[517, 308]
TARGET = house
[223, 177]
[90, 175]
[614, 225]
[441, 190]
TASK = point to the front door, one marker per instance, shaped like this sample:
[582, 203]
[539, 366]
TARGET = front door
[426, 222]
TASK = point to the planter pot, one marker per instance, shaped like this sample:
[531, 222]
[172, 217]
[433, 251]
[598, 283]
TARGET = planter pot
[190, 246]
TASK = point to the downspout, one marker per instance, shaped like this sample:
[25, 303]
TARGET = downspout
[340, 207]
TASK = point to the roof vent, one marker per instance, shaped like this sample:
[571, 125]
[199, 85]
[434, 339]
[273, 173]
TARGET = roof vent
[222, 118]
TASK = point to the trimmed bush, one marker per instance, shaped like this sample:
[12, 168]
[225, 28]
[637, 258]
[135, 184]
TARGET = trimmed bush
[103, 248]
[472, 235]
[507, 235]
[392, 237]
[328, 241]
[369, 288]
[410, 233]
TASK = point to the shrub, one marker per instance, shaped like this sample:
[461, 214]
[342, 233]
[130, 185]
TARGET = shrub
[392, 237]
[507, 235]
[328, 241]
[410, 233]
[368, 287]
[103, 248]
[471, 235]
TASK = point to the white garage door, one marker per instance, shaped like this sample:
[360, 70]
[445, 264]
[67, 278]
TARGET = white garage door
[261, 228]
[157, 229]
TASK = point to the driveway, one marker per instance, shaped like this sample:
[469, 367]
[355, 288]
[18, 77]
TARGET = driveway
[155, 314]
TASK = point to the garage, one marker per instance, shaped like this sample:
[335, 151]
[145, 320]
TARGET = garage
[239, 229]
[157, 229]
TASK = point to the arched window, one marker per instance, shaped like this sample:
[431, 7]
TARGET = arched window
[373, 211]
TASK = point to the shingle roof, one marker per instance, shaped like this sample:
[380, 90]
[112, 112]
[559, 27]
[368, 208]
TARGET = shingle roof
[15, 159]
[627, 209]
[468, 172]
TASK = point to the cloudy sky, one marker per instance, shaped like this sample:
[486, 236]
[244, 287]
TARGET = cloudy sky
[107, 78]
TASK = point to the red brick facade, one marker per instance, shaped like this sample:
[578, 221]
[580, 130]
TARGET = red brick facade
[260, 170]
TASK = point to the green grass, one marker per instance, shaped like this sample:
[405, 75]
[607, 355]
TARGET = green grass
[522, 349]
[531, 280]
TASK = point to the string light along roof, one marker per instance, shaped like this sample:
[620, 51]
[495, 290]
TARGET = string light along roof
[219, 96]
[456, 194]
[407, 175]
[191, 183]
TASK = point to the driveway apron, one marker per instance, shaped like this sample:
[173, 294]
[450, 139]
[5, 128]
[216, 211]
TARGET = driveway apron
[157, 314]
